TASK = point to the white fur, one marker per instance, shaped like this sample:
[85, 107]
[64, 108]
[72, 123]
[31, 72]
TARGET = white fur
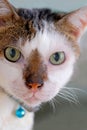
[11, 77]
[8, 120]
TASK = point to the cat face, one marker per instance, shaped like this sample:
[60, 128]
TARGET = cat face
[37, 64]
[36, 59]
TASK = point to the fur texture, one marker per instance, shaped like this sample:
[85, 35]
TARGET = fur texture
[31, 80]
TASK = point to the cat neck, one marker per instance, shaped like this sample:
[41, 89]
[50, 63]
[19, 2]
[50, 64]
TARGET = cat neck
[8, 120]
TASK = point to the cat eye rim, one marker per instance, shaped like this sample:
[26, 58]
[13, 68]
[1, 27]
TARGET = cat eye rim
[60, 59]
[15, 58]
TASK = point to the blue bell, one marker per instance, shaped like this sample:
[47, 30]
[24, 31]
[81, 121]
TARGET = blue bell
[20, 112]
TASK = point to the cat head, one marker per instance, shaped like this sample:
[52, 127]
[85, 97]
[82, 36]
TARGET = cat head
[38, 51]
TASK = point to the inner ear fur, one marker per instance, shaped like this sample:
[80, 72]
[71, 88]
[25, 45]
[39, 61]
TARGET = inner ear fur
[74, 24]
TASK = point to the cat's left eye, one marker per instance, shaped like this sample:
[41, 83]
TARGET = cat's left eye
[12, 54]
[57, 58]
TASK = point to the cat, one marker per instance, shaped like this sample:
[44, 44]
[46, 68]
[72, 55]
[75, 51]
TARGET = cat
[38, 51]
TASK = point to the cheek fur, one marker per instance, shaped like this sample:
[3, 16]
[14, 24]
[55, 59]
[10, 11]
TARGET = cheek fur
[57, 78]
[56, 81]
[8, 74]
[61, 77]
[48, 92]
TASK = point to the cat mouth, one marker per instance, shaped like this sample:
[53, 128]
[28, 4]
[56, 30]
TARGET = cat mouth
[32, 101]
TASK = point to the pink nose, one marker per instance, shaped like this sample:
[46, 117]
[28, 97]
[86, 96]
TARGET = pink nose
[34, 86]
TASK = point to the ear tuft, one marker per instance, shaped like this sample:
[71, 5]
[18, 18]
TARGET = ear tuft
[74, 24]
[7, 10]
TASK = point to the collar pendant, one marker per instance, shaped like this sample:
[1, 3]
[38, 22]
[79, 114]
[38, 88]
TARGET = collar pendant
[20, 112]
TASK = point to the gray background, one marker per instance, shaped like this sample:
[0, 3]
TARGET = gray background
[67, 116]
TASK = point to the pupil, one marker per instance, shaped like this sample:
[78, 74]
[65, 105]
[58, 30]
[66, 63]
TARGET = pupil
[56, 56]
[12, 53]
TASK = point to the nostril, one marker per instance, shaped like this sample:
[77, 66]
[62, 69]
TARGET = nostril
[29, 86]
[40, 85]
[34, 85]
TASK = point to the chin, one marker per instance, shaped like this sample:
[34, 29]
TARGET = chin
[30, 103]
[33, 102]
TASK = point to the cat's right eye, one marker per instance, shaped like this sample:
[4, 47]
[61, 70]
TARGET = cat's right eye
[12, 54]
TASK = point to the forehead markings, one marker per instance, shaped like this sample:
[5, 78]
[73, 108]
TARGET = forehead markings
[45, 43]
[15, 30]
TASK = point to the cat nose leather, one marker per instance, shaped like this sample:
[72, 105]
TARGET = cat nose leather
[34, 86]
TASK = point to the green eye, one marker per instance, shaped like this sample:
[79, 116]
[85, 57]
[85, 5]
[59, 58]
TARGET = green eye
[57, 58]
[12, 54]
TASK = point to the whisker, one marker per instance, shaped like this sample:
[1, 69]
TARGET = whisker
[67, 98]
[72, 94]
[69, 95]
[53, 103]
[76, 89]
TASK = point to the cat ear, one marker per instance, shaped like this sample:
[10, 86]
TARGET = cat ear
[74, 24]
[7, 11]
